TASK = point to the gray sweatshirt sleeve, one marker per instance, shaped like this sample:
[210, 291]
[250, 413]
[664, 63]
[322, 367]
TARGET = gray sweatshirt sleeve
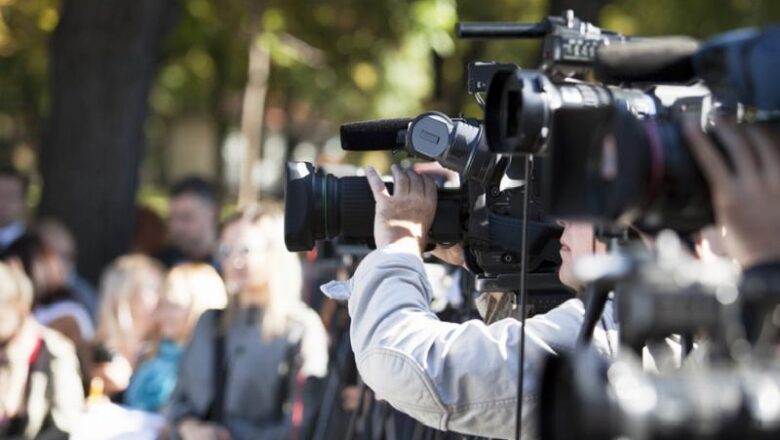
[456, 377]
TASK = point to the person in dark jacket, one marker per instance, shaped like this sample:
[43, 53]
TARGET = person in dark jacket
[40, 389]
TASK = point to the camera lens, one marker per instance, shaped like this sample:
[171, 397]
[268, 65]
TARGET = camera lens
[608, 165]
[321, 206]
[517, 112]
[657, 183]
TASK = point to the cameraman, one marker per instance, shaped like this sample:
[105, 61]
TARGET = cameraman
[463, 377]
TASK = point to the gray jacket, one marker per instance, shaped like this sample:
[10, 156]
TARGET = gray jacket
[261, 377]
[456, 377]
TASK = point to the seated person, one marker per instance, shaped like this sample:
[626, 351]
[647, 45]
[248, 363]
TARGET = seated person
[189, 290]
[54, 303]
[129, 294]
[40, 387]
[57, 237]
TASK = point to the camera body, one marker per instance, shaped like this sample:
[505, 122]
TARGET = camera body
[483, 214]
[658, 297]
[638, 167]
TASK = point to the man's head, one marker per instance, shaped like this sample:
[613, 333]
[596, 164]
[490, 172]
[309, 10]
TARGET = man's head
[577, 241]
[59, 239]
[193, 217]
[13, 189]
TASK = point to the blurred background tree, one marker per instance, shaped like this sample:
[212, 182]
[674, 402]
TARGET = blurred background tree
[317, 65]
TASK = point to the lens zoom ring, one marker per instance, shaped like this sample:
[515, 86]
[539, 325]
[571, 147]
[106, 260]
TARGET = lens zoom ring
[356, 208]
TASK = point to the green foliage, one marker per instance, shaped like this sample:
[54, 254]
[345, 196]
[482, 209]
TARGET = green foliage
[24, 28]
[333, 60]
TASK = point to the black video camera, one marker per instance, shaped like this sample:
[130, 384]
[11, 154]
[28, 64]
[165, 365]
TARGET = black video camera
[638, 166]
[723, 392]
[484, 214]
[616, 152]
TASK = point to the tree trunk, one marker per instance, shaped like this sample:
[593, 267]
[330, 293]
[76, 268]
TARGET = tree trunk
[103, 59]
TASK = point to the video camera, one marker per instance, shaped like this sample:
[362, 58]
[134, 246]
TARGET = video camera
[483, 214]
[616, 152]
[615, 155]
[724, 392]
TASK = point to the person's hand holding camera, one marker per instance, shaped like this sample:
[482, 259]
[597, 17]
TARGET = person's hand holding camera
[745, 197]
[403, 218]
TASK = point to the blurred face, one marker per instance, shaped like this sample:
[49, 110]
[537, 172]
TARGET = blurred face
[49, 273]
[173, 321]
[576, 241]
[11, 201]
[143, 305]
[242, 253]
[64, 247]
[192, 224]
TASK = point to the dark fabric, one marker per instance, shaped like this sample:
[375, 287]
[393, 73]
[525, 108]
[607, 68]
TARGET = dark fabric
[257, 380]
[220, 371]
[760, 291]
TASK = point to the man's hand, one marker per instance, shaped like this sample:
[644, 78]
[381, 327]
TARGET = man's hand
[404, 218]
[454, 255]
[747, 200]
[114, 375]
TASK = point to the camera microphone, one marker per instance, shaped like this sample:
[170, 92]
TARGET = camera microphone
[666, 59]
[381, 134]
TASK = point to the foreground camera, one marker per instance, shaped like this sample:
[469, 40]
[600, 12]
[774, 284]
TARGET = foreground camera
[638, 167]
[585, 397]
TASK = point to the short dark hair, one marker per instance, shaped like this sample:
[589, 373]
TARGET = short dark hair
[12, 173]
[197, 186]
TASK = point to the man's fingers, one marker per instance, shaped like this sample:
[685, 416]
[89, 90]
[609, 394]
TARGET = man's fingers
[416, 185]
[378, 187]
[401, 181]
[710, 161]
[431, 190]
[767, 151]
[738, 149]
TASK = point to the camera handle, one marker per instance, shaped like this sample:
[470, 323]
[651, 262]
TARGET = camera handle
[597, 293]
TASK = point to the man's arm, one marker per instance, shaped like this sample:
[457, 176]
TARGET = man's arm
[460, 377]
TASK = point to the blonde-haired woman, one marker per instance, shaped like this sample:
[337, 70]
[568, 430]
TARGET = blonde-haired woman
[189, 290]
[40, 386]
[129, 294]
[246, 368]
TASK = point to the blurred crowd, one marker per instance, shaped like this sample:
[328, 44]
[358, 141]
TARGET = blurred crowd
[200, 335]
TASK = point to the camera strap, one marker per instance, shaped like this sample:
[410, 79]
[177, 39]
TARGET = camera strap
[219, 369]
